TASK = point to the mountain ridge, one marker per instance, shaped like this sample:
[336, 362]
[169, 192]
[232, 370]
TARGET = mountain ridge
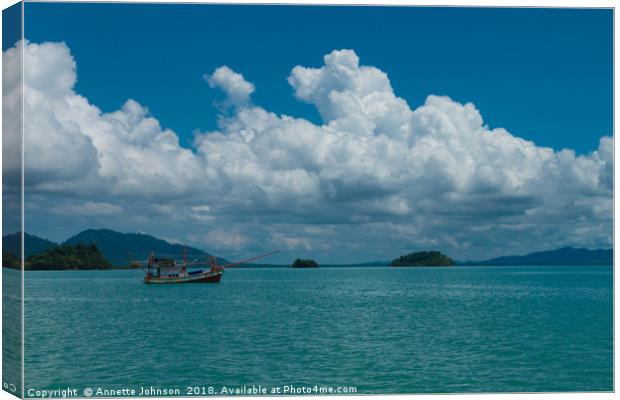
[11, 243]
[562, 256]
[115, 247]
[119, 247]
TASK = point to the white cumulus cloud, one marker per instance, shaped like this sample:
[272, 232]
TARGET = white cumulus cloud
[73, 147]
[237, 89]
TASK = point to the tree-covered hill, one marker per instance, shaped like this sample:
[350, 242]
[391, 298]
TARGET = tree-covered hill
[299, 263]
[423, 259]
[68, 257]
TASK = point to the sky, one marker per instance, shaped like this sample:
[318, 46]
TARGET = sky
[344, 134]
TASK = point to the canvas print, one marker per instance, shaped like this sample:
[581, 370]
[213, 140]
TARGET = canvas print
[219, 200]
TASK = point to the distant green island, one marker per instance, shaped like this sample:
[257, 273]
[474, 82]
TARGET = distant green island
[61, 257]
[299, 263]
[423, 259]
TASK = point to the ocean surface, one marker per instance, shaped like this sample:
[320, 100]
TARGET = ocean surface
[379, 329]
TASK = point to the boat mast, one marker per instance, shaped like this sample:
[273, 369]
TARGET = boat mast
[249, 259]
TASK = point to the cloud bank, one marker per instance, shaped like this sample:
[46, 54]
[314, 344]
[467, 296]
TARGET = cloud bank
[374, 178]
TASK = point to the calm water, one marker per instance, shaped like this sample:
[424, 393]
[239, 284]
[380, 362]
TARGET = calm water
[382, 330]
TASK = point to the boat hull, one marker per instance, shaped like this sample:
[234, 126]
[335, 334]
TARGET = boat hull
[205, 277]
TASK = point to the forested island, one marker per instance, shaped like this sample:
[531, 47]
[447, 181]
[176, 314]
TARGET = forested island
[299, 263]
[423, 259]
[61, 257]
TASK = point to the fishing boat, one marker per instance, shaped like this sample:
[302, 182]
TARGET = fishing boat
[168, 270]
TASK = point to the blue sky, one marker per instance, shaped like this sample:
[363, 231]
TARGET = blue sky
[343, 134]
[543, 74]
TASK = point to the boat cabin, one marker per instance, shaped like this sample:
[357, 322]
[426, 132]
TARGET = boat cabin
[167, 268]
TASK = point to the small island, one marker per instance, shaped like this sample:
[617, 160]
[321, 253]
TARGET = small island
[65, 257]
[299, 263]
[423, 259]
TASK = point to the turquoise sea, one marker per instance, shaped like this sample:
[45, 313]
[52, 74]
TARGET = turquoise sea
[380, 330]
